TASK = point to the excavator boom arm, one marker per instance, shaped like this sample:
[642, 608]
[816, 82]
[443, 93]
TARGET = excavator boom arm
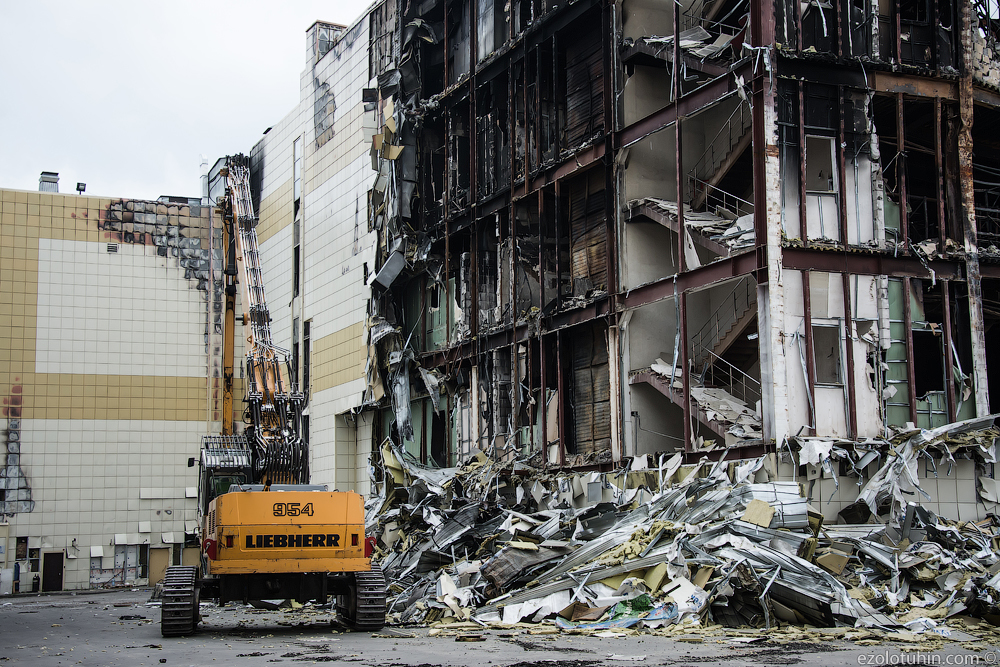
[274, 402]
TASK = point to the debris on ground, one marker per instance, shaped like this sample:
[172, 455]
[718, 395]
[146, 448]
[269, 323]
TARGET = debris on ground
[687, 550]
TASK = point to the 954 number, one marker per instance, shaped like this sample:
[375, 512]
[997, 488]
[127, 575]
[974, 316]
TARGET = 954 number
[292, 509]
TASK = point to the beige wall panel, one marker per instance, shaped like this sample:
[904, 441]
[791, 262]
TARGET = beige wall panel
[276, 211]
[339, 357]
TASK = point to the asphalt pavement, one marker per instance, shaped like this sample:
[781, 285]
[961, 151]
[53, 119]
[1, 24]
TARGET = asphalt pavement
[122, 628]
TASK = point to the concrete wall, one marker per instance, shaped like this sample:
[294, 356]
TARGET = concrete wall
[952, 492]
[103, 367]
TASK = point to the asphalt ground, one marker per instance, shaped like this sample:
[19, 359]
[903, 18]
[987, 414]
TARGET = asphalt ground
[122, 628]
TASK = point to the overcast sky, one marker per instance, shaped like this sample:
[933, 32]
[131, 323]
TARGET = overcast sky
[127, 96]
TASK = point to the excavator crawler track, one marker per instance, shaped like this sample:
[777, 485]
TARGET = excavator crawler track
[179, 606]
[364, 607]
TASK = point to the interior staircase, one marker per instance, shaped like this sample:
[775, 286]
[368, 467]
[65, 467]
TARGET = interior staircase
[721, 154]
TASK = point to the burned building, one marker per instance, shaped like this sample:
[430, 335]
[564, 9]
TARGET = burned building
[581, 232]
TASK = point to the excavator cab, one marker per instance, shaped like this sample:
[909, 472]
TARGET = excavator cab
[225, 462]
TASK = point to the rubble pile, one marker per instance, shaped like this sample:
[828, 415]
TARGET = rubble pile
[660, 544]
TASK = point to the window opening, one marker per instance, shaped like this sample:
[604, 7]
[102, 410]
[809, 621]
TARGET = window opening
[297, 172]
[928, 372]
[295, 345]
[306, 326]
[827, 354]
[296, 258]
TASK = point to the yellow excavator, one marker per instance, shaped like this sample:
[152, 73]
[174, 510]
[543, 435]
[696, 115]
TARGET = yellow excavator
[265, 532]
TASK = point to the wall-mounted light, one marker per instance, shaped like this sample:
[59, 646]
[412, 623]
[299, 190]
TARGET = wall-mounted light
[81, 187]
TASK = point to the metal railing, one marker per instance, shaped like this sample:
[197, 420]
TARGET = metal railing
[715, 196]
[721, 374]
[723, 143]
[733, 307]
[988, 223]
[692, 16]
[922, 218]
[704, 13]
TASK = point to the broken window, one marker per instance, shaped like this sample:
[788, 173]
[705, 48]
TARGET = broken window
[860, 35]
[381, 27]
[827, 354]
[458, 158]
[306, 349]
[554, 254]
[422, 55]
[884, 115]
[295, 346]
[436, 316]
[521, 15]
[459, 34]
[822, 206]
[326, 37]
[926, 32]
[492, 143]
[526, 230]
[431, 166]
[440, 453]
[492, 27]
[501, 402]
[520, 110]
[886, 31]
[928, 373]
[549, 110]
[297, 172]
[821, 107]
[463, 415]
[986, 175]
[921, 170]
[819, 26]
[489, 274]
[821, 185]
[296, 254]
[536, 108]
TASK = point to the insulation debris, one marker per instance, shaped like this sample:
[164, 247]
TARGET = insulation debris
[720, 227]
[688, 547]
[724, 413]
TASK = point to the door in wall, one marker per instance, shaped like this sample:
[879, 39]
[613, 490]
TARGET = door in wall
[52, 571]
[159, 559]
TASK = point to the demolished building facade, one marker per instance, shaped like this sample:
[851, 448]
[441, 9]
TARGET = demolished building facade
[473, 213]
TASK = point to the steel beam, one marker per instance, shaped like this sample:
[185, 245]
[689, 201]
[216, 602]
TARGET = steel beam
[919, 86]
[809, 259]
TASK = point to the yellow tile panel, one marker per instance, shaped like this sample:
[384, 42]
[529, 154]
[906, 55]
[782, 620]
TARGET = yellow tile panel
[339, 357]
[63, 396]
[276, 211]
